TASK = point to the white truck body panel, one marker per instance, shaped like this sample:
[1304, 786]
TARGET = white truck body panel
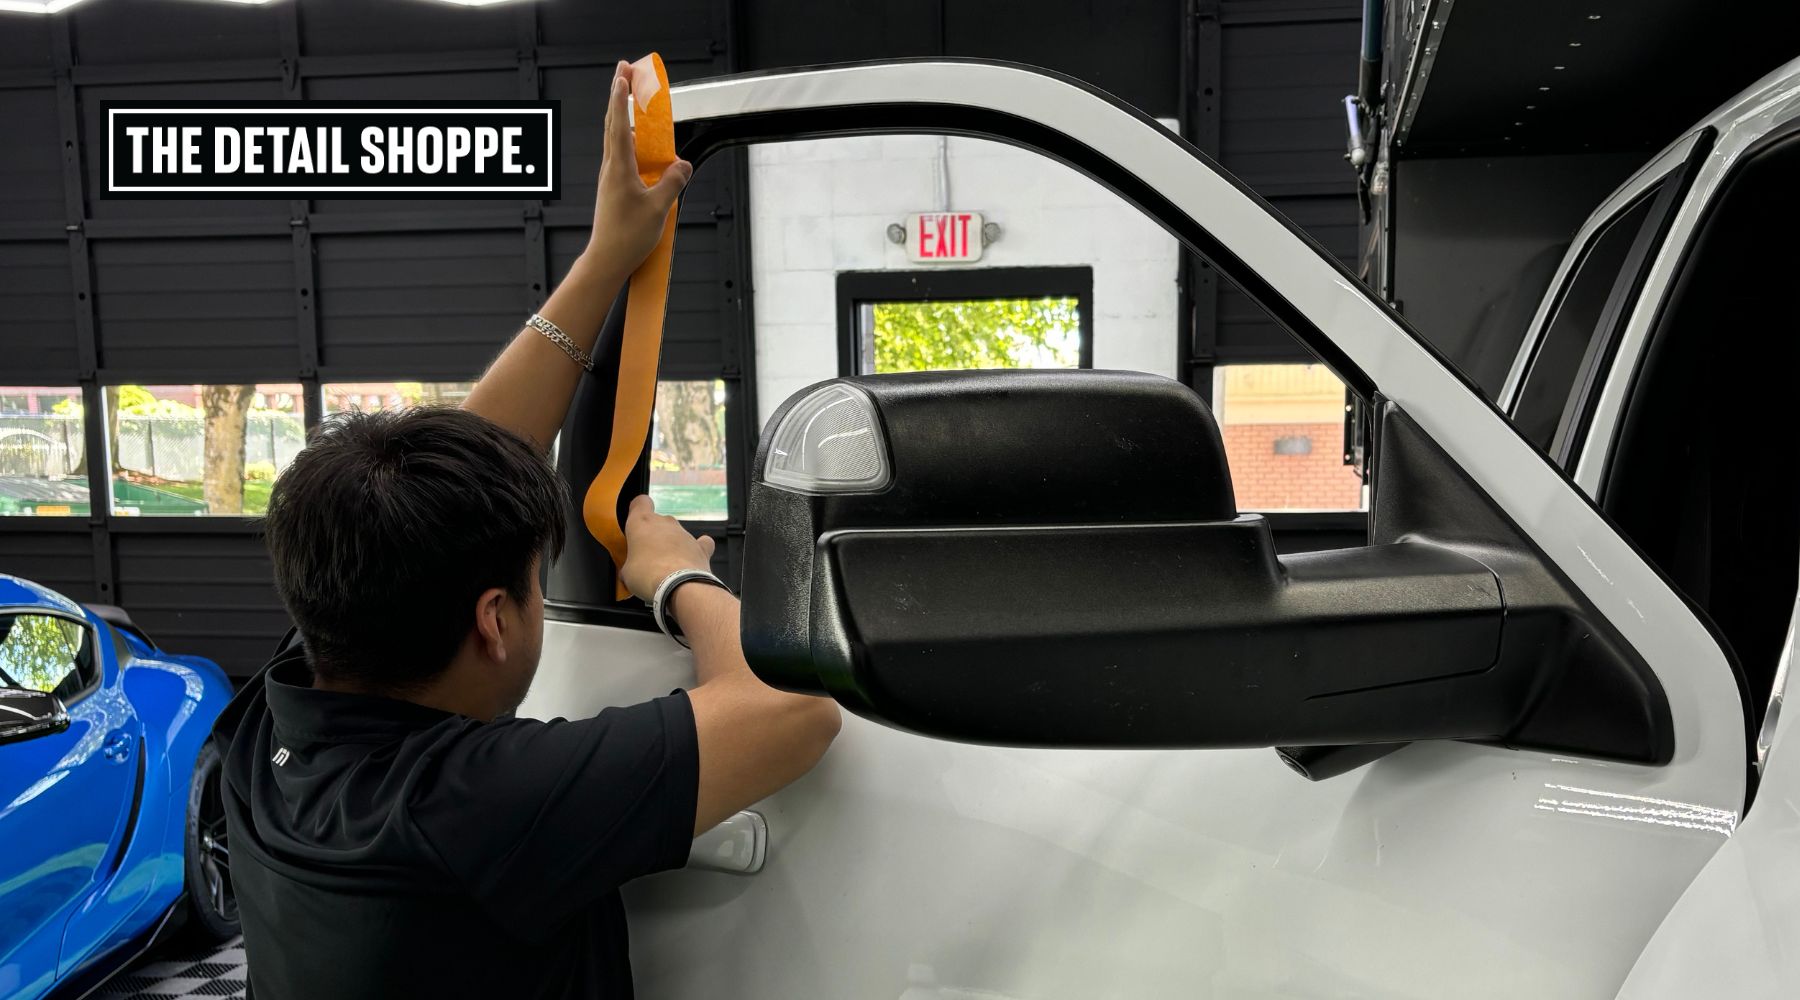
[914, 868]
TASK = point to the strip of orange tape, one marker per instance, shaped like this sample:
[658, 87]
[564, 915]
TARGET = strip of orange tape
[644, 308]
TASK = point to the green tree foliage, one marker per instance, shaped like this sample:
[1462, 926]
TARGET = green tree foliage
[137, 401]
[38, 651]
[987, 333]
[131, 400]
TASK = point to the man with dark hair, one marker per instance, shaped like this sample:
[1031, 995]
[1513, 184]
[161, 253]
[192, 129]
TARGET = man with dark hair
[393, 832]
[414, 514]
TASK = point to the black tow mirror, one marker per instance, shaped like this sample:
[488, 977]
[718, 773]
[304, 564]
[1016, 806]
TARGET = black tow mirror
[26, 714]
[1056, 559]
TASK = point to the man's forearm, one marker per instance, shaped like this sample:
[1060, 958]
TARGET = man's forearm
[529, 386]
[753, 738]
[709, 620]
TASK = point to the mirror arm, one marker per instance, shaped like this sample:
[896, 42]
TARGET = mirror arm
[1590, 693]
[1319, 763]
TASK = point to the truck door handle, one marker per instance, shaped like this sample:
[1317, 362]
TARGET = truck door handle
[739, 845]
[117, 748]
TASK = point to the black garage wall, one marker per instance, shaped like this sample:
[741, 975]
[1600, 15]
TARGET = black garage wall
[1266, 81]
[96, 292]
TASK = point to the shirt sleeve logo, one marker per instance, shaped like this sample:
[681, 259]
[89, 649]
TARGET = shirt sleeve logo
[281, 756]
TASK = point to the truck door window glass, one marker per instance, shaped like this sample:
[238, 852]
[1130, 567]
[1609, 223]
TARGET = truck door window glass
[1574, 327]
[185, 450]
[687, 450]
[1702, 478]
[1058, 272]
[1051, 269]
[1068, 274]
[1283, 426]
[43, 456]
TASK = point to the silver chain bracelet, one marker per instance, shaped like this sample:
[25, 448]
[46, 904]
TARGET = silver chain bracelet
[561, 339]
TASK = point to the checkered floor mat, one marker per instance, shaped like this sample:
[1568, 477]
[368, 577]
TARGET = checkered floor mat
[174, 974]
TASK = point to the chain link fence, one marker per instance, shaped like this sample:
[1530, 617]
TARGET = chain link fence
[174, 448]
[40, 446]
[166, 447]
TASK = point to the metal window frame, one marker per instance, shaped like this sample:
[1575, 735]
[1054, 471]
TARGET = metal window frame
[1616, 204]
[1663, 186]
[1600, 462]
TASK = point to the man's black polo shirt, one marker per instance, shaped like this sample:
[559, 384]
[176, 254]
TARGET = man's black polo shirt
[380, 848]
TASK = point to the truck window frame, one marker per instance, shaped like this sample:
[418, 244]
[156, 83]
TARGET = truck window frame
[1663, 190]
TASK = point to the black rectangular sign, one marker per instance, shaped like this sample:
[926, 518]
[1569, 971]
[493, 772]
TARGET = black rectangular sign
[317, 149]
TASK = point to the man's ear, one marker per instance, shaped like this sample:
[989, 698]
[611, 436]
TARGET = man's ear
[490, 626]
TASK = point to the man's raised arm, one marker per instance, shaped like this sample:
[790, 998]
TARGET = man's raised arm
[528, 387]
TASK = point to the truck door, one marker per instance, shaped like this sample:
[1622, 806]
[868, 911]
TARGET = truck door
[917, 867]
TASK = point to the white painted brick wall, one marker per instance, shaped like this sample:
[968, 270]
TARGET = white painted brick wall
[817, 208]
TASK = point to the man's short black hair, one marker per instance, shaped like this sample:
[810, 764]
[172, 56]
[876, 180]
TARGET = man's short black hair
[387, 528]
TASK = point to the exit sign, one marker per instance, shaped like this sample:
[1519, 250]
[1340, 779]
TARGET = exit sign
[939, 237]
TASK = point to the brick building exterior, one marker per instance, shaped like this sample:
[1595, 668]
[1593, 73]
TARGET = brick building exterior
[1283, 427]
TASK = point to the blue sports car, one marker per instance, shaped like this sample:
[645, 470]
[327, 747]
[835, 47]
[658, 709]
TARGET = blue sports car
[112, 832]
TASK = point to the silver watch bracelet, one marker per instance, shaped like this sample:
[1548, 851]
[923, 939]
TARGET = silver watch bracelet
[659, 603]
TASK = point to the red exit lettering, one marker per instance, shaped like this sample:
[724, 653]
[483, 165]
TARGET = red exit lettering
[944, 236]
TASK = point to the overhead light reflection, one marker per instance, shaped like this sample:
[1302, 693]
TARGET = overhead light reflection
[57, 6]
[37, 6]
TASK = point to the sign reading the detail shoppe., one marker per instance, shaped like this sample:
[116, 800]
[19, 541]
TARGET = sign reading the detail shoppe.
[331, 149]
[943, 237]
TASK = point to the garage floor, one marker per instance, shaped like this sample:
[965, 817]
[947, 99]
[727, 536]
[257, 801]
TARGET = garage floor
[166, 974]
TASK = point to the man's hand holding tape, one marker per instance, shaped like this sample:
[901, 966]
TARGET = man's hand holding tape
[529, 386]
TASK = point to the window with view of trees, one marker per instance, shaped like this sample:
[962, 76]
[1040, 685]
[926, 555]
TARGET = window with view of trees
[176, 449]
[687, 450]
[43, 454]
[983, 333]
[200, 449]
[370, 397]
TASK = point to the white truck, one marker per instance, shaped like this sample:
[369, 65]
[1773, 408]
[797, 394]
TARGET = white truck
[1535, 716]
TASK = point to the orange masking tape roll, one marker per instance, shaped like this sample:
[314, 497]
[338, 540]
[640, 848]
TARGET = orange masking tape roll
[641, 346]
